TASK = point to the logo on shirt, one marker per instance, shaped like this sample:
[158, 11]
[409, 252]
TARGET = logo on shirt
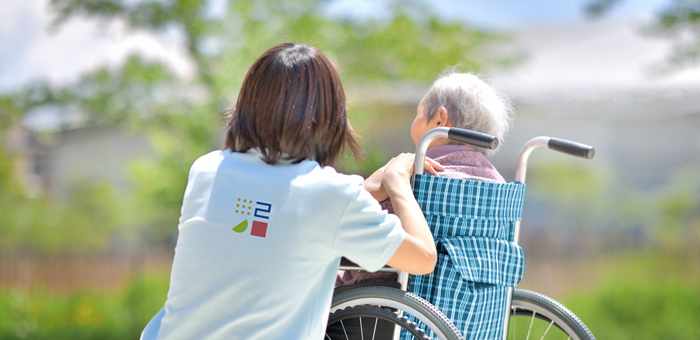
[261, 212]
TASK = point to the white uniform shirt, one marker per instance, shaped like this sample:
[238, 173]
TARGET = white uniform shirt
[259, 247]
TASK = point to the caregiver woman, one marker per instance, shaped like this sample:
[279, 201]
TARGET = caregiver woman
[266, 220]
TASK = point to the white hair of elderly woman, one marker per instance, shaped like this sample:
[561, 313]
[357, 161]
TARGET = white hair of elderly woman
[471, 104]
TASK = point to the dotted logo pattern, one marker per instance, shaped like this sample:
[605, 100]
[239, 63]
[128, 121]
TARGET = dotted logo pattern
[241, 206]
[244, 206]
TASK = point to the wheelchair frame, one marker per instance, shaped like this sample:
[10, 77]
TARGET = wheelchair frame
[541, 306]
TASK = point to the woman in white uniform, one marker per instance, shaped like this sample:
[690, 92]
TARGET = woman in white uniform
[266, 220]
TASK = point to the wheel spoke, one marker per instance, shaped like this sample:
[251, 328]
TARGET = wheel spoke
[513, 318]
[362, 330]
[530, 329]
[375, 328]
[346, 333]
[547, 330]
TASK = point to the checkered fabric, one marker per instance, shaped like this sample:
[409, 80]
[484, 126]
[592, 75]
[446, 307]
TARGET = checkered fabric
[473, 224]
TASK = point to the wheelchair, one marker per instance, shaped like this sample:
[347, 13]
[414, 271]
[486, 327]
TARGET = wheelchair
[471, 293]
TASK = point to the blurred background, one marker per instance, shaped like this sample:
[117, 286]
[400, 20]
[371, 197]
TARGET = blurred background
[104, 105]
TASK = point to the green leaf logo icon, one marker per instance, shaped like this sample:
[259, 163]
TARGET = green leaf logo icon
[241, 227]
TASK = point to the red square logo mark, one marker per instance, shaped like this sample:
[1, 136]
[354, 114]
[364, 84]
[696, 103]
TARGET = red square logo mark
[259, 229]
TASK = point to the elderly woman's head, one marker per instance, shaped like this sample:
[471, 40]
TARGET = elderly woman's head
[465, 101]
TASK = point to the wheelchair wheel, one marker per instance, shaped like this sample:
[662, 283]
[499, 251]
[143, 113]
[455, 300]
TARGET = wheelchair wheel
[397, 299]
[536, 316]
[369, 322]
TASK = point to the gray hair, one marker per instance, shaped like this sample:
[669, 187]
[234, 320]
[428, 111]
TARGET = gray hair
[471, 104]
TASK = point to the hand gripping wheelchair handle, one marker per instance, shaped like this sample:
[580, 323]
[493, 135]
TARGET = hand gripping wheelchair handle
[474, 138]
[571, 148]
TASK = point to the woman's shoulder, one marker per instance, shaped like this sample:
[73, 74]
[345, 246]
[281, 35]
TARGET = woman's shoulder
[216, 157]
[327, 178]
[341, 178]
[207, 160]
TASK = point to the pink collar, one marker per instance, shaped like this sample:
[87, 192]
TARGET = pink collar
[440, 151]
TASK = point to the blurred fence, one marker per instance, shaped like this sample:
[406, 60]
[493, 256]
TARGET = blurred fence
[70, 273]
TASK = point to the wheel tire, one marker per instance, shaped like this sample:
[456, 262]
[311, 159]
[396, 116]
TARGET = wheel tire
[409, 303]
[535, 306]
[348, 324]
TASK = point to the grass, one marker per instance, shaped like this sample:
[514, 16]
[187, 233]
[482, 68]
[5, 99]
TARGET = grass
[40, 315]
[644, 296]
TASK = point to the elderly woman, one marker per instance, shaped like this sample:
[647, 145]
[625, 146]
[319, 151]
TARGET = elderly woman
[454, 100]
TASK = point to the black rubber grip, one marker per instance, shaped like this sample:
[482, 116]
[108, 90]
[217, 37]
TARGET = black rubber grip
[571, 148]
[479, 139]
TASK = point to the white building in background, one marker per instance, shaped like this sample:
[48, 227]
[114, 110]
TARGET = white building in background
[602, 84]
[56, 152]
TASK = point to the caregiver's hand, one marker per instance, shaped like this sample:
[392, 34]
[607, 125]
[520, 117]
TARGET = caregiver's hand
[373, 183]
[416, 254]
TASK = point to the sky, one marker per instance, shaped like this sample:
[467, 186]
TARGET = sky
[30, 50]
[509, 14]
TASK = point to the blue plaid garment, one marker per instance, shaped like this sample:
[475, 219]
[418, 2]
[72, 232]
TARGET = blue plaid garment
[473, 224]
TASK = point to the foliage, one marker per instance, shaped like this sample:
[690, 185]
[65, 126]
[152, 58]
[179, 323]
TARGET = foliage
[37, 223]
[567, 180]
[130, 94]
[84, 223]
[646, 297]
[597, 8]
[678, 20]
[679, 213]
[10, 114]
[183, 117]
[38, 314]
[88, 219]
[570, 196]
[584, 200]
[409, 46]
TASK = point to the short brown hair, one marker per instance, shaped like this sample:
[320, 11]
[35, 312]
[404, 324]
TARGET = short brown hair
[292, 106]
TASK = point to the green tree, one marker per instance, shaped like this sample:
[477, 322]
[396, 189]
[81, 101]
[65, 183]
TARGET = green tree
[678, 20]
[183, 117]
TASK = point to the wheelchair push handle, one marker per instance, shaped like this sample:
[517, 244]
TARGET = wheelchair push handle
[571, 148]
[479, 139]
[474, 138]
[562, 145]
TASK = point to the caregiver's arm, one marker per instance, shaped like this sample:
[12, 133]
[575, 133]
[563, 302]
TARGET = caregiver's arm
[416, 254]
[373, 183]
